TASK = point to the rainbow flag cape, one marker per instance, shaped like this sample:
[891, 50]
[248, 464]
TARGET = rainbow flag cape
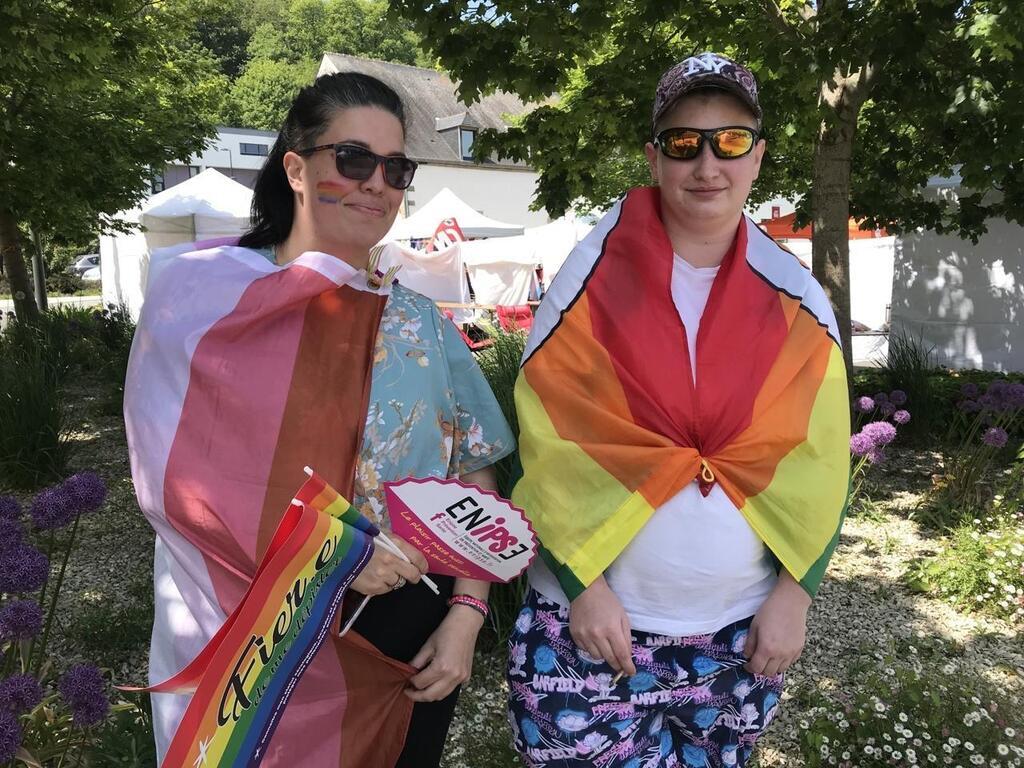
[242, 373]
[612, 426]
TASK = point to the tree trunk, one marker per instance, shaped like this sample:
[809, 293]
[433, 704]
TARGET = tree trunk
[14, 263]
[830, 203]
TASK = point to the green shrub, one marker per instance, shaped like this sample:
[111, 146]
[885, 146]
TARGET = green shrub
[909, 367]
[908, 711]
[980, 566]
[34, 444]
[64, 284]
[500, 365]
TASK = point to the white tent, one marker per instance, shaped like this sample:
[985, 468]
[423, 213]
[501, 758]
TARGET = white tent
[872, 261]
[502, 270]
[438, 275]
[447, 205]
[552, 243]
[207, 206]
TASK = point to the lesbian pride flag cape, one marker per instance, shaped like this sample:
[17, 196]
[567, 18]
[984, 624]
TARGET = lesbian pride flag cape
[241, 374]
[612, 425]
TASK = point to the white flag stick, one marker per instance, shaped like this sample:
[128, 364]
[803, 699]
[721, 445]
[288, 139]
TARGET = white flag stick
[393, 549]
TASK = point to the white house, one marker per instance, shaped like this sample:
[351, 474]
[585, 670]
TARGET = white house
[439, 134]
[238, 153]
[965, 300]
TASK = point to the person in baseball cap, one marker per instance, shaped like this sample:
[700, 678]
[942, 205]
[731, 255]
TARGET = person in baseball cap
[684, 434]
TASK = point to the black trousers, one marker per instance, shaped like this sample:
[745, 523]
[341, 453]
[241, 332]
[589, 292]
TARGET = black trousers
[398, 624]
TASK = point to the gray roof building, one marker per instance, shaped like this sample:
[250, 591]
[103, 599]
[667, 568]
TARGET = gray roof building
[440, 128]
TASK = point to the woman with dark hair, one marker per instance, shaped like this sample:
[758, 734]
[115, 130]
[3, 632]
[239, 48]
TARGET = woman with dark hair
[291, 349]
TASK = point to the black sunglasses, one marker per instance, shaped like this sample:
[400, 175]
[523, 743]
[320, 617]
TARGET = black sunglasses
[358, 163]
[727, 143]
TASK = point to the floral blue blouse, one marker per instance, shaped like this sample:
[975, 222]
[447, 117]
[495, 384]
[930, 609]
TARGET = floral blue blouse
[431, 412]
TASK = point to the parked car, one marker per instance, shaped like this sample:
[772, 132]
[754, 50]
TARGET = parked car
[92, 275]
[84, 263]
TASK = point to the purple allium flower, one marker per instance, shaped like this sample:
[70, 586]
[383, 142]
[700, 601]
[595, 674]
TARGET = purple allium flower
[988, 402]
[19, 693]
[11, 534]
[10, 737]
[23, 569]
[53, 508]
[898, 397]
[865, 404]
[969, 406]
[10, 509]
[996, 388]
[969, 389]
[881, 397]
[83, 688]
[88, 489]
[877, 456]
[888, 409]
[901, 417]
[861, 444]
[995, 436]
[20, 620]
[1014, 395]
[881, 432]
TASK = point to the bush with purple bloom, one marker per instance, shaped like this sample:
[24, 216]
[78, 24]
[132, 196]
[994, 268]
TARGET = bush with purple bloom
[880, 432]
[88, 489]
[10, 737]
[969, 406]
[861, 444]
[865, 404]
[1014, 395]
[888, 409]
[23, 569]
[988, 401]
[20, 620]
[82, 687]
[53, 508]
[898, 397]
[20, 693]
[11, 534]
[10, 509]
[881, 397]
[901, 417]
[969, 389]
[996, 437]
[877, 455]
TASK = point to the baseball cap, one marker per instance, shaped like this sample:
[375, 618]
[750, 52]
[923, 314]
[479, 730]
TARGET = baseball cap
[706, 70]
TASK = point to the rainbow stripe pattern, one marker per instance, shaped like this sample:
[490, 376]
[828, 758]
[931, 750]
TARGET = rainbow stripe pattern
[241, 374]
[612, 425]
[245, 676]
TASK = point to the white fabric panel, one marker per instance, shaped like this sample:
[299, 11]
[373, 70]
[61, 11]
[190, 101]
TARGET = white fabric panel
[438, 275]
[447, 205]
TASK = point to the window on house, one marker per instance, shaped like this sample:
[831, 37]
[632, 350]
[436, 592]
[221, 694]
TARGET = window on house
[158, 184]
[255, 149]
[466, 139]
[193, 170]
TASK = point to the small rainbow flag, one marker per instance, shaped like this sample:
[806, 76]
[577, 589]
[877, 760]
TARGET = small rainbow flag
[244, 677]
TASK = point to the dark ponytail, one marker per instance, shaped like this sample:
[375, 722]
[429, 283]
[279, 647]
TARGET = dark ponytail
[273, 202]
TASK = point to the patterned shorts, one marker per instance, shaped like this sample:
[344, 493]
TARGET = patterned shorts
[691, 703]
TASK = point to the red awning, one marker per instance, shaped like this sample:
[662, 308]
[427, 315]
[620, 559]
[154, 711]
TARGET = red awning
[782, 228]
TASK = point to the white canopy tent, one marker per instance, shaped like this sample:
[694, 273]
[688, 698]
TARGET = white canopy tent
[447, 205]
[438, 275]
[552, 243]
[207, 206]
[502, 270]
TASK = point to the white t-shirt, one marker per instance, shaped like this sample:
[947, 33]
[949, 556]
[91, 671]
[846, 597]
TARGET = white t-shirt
[697, 565]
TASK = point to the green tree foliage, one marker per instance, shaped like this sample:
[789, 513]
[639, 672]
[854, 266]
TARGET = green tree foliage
[94, 95]
[864, 101]
[261, 96]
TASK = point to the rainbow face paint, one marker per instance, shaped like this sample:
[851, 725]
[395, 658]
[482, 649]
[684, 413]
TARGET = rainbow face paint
[329, 192]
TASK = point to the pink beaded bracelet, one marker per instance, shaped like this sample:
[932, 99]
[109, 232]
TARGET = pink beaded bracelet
[471, 602]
